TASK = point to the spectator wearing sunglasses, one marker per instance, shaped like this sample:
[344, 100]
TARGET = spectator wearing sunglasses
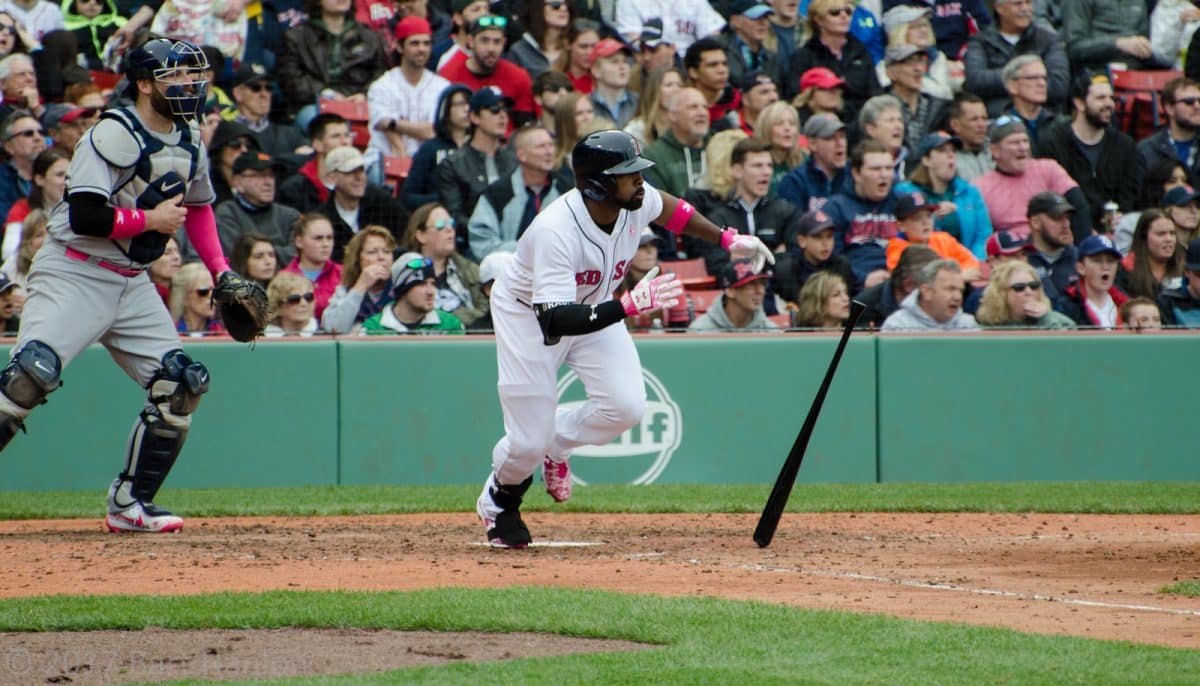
[329, 56]
[253, 207]
[23, 140]
[834, 47]
[430, 233]
[92, 22]
[483, 66]
[191, 301]
[229, 141]
[290, 306]
[313, 238]
[545, 39]
[414, 306]
[13, 37]
[548, 88]
[1177, 140]
[39, 17]
[1014, 298]
[252, 94]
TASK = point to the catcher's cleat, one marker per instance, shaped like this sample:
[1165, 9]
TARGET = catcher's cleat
[142, 518]
[557, 476]
[499, 509]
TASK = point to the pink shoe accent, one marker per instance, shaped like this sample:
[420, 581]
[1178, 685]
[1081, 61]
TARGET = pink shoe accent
[557, 476]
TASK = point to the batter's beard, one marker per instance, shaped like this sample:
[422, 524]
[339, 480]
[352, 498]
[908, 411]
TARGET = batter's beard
[634, 203]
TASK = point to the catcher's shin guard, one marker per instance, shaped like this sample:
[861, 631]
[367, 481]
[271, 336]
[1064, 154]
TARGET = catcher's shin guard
[32, 374]
[161, 428]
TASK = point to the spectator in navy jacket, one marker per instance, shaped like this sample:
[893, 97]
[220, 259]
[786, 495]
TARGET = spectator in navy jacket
[824, 173]
[864, 218]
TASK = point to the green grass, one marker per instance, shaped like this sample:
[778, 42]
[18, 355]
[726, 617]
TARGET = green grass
[1082, 497]
[1188, 588]
[700, 641]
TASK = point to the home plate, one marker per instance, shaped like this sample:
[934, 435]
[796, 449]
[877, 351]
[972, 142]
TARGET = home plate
[550, 544]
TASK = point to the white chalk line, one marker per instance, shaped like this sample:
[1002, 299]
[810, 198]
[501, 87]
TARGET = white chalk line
[1021, 595]
[548, 544]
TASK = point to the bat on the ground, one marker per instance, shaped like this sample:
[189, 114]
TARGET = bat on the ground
[773, 510]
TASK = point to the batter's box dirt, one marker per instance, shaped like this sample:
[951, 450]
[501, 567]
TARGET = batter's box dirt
[1096, 576]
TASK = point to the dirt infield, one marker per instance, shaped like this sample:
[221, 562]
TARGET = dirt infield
[1096, 576]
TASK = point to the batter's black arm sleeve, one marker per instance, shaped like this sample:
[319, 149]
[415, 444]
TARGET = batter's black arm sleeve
[571, 319]
[90, 214]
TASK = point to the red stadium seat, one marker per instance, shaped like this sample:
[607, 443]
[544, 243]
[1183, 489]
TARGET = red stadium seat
[1138, 101]
[783, 320]
[692, 273]
[703, 299]
[354, 112]
[395, 171]
[105, 80]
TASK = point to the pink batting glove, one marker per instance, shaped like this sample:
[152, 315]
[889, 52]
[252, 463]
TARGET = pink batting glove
[746, 247]
[653, 292]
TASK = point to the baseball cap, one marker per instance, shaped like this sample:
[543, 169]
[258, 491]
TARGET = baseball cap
[752, 9]
[741, 272]
[1006, 243]
[813, 222]
[903, 14]
[494, 265]
[652, 32]
[822, 125]
[749, 79]
[821, 77]
[1192, 261]
[345, 159]
[410, 269]
[934, 140]
[646, 236]
[1177, 196]
[253, 160]
[489, 22]
[412, 25]
[488, 96]
[899, 53]
[1048, 202]
[457, 6]
[607, 47]
[249, 73]
[908, 204]
[6, 283]
[1098, 245]
[59, 113]
[1004, 127]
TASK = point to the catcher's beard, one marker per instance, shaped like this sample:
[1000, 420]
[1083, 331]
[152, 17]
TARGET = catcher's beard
[159, 102]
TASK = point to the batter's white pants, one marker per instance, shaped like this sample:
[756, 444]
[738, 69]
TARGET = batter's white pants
[535, 427]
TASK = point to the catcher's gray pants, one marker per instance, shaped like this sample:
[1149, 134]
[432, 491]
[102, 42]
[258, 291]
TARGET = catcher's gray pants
[72, 304]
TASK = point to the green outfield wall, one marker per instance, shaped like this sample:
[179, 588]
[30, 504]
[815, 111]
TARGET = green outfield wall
[720, 410]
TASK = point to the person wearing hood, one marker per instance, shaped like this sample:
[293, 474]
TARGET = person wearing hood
[936, 304]
[740, 305]
[93, 23]
[229, 141]
[450, 127]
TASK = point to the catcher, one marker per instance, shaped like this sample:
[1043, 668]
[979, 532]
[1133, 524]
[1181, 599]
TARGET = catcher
[136, 176]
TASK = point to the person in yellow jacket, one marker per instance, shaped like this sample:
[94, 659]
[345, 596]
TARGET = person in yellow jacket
[914, 213]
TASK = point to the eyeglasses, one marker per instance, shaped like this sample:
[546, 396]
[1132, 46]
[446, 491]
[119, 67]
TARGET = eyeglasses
[1031, 285]
[840, 10]
[9, 28]
[1190, 102]
[27, 133]
[1032, 77]
[239, 143]
[492, 20]
[497, 108]
[555, 4]
[441, 224]
[203, 292]
[258, 87]
[295, 298]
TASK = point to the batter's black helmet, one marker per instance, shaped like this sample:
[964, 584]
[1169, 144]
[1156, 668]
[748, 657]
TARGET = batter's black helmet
[159, 58]
[604, 154]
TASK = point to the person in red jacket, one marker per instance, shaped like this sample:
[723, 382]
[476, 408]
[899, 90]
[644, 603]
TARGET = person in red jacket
[1095, 300]
[483, 66]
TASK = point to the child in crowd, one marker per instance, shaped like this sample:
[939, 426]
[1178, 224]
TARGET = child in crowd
[914, 212]
[1095, 299]
[810, 250]
[313, 237]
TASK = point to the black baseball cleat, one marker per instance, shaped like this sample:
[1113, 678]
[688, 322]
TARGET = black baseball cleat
[499, 507]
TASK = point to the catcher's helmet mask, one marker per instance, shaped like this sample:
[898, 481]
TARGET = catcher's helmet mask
[177, 69]
[600, 156]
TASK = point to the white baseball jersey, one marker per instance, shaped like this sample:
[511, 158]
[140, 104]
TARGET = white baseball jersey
[391, 96]
[563, 257]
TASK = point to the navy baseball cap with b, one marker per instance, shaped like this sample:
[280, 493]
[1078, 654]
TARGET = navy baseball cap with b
[1097, 245]
[741, 272]
[1049, 202]
[1180, 196]
[753, 9]
[934, 140]
[410, 269]
[488, 97]
[813, 222]
[909, 204]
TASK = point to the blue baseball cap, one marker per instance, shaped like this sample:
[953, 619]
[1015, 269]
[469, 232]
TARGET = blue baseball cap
[751, 8]
[1097, 245]
[934, 140]
[487, 97]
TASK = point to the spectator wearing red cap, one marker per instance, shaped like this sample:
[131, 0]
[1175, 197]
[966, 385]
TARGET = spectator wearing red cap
[402, 103]
[1004, 246]
[485, 67]
[65, 125]
[820, 93]
[611, 64]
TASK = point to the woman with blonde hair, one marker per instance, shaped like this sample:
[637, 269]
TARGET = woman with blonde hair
[944, 78]
[716, 186]
[191, 301]
[571, 114]
[824, 302]
[33, 235]
[1014, 297]
[430, 233]
[290, 299]
[366, 286]
[650, 120]
[778, 125]
[831, 45]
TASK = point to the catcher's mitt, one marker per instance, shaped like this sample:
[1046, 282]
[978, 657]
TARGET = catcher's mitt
[242, 304]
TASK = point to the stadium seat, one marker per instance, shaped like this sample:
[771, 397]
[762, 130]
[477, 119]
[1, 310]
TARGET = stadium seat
[354, 112]
[703, 299]
[783, 320]
[395, 171]
[1137, 96]
[692, 273]
[105, 80]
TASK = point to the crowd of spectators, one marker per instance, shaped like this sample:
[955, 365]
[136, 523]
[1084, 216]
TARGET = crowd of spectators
[953, 164]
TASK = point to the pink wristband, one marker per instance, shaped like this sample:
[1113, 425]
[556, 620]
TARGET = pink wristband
[679, 218]
[727, 235]
[127, 223]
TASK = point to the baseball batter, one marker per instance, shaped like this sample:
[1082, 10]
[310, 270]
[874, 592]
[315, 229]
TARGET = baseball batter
[135, 177]
[554, 305]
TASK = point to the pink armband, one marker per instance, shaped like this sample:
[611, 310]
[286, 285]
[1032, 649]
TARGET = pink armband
[679, 218]
[127, 223]
[201, 229]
